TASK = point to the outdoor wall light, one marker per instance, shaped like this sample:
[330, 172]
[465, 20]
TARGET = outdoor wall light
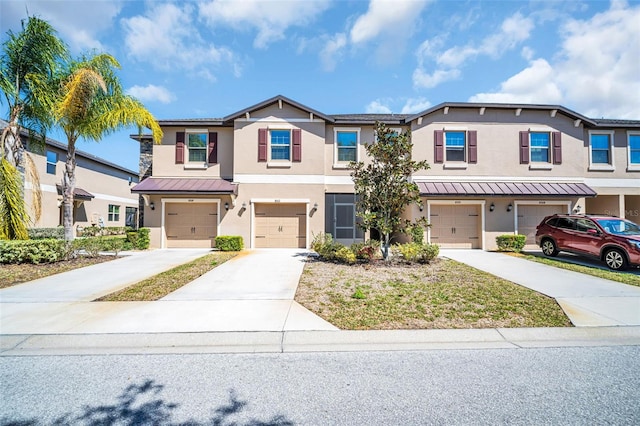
[492, 207]
[226, 206]
[577, 209]
[421, 207]
[244, 206]
[510, 207]
[152, 206]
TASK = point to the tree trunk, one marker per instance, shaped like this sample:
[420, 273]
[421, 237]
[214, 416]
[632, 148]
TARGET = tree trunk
[385, 247]
[12, 144]
[68, 188]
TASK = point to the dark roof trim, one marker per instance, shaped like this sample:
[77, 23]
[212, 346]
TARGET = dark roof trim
[272, 101]
[78, 193]
[520, 189]
[389, 119]
[191, 186]
[217, 122]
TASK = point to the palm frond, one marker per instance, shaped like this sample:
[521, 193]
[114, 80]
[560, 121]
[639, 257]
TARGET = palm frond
[78, 94]
[13, 214]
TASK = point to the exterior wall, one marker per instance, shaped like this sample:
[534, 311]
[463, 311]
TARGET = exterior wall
[108, 184]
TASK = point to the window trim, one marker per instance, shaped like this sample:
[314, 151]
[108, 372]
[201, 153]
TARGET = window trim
[344, 164]
[450, 164]
[48, 163]
[601, 166]
[113, 216]
[549, 147]
[188, 164]
[631, 167]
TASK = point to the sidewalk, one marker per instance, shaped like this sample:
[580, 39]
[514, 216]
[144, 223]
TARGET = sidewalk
[587, 300]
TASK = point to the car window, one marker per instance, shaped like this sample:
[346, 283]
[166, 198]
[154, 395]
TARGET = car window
[566, 223]
[583, 225]
[553, 221]
[619, 226]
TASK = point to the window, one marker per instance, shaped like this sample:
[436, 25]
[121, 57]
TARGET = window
[341, 220]
[197, 146]
[539, 143]
[346, 146]
[114, 213]
[633, 144]
[131, 217]
[52, 159]
[600, 149]
[454, 146]
[280, 144]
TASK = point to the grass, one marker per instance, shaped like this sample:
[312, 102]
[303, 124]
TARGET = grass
[20, 273]
[160, 285]
[444, 294]
[621, 277]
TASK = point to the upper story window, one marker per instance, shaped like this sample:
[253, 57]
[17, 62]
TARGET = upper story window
[540, 147]
[601, 150]
[454, 146]
[201, 148]
[197, 147]
[346, 146]
[52, 160]
[280, 144]
[633, 146]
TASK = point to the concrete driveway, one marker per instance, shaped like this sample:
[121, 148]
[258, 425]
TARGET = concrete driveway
[253, 292]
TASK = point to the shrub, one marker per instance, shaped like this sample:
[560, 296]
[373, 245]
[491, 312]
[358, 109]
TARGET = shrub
[365, 251]
[229, 243]
[417, 233]
[91, 245]
[511, 242]
[345, 255]
[414, 252]
[32, 251]
[115, 243]
[45, 233]
[324, 245]
[88, 231]
[143, 239]
[132, 238]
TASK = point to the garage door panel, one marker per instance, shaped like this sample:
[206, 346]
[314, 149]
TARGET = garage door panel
[529, 216]
[280, 225]
[191, 225]
[455, 226]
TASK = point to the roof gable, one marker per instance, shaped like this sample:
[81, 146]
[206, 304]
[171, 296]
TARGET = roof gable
[274, 100]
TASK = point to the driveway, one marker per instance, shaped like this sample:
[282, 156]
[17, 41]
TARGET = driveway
[253, 292]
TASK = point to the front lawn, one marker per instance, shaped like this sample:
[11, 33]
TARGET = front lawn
[443, 294]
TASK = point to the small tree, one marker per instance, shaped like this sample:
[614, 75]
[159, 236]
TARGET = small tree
[383, 186]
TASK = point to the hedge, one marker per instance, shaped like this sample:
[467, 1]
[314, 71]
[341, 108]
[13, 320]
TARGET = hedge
[32, 251]
[511, 242]
[229, 243]
[46, 233]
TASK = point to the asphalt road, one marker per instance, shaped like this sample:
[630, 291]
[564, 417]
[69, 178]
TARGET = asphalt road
[569, 386]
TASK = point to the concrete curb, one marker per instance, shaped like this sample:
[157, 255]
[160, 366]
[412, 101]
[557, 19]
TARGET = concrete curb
[314, 341]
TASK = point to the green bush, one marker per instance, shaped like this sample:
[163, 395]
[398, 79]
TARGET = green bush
[417, 253]
[92, 246]
[132, 238]
[324, 245]
[417, 233]
[88, 231]
[365, 251]
[32, 251]
[143, 239]
[511, 242]
[229, 243]
[45, 233]
[345, 255]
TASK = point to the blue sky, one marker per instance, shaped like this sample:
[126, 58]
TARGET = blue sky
[189, 59]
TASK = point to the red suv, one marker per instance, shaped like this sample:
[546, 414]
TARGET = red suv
[613, 240]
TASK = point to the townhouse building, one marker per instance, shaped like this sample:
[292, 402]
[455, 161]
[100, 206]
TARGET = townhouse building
[103, 189]
[276, 173]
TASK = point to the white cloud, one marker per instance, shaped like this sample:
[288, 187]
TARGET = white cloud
[167, 38]
[595, 72]
[513, 31]
[78, 22]
[151, 93]
[271, 19]
[415, 105]
[377, 107]
[332, 51]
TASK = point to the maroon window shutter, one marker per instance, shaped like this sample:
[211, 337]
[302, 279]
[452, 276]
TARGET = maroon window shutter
[213, 147]
[262, 144]
[297, 145]
[524, 147]
[179, 147]
[472, 136]
[438, 138]
[557, 147]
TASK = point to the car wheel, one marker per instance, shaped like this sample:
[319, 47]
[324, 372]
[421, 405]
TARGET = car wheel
[615, 260]
[549, 247]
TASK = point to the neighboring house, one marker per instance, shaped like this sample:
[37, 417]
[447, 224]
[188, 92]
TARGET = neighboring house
[277, 173]
[103, 189]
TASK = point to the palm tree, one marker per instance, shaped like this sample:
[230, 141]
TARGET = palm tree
[91, 104]
[29, 59]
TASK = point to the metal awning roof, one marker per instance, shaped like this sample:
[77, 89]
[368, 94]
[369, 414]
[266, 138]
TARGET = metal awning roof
[523, 189]
[153, 185]
[78, 193]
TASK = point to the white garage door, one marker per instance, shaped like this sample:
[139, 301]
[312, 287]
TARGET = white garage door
[529, 216]
[192, 225]
[281, 226]
[455, 226]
